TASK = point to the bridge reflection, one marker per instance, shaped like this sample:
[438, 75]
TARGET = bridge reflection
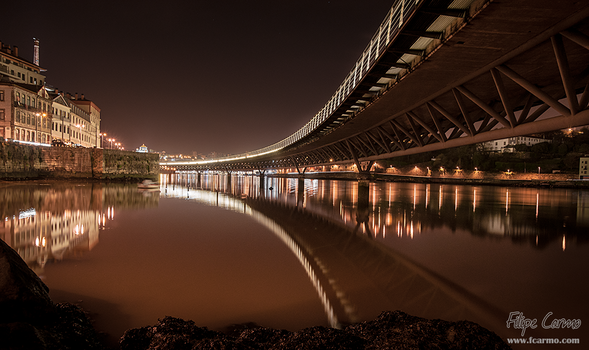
[537, 216]
[331, 226]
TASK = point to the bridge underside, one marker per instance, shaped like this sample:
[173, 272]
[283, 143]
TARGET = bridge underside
[507, 68]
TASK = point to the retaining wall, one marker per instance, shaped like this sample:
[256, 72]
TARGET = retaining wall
[21, 162]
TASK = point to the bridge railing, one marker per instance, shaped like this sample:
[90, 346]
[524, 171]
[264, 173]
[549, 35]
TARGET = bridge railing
[388, 29]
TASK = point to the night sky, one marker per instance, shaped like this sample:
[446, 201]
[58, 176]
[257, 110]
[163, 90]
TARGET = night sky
[196, 76]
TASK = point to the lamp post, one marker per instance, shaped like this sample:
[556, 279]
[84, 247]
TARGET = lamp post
[80, 126]
[102, 135]
[39, 126]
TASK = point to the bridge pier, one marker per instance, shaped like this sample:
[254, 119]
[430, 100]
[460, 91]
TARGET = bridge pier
[300, 191]
[300, 173]
[262, 175]
[228, 181]
[364, 172]
[362, 215]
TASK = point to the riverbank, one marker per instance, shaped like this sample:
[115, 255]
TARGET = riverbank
[26, 162]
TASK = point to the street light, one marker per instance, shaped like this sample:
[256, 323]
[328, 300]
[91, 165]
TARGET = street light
[80, 126]
[102, 135]
[39, 124]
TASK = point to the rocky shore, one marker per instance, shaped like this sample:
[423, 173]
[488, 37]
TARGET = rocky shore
[30, 320]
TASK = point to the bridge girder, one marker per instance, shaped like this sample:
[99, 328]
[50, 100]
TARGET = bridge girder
[538, 88]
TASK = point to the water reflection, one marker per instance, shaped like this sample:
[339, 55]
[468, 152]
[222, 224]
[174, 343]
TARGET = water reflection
[340, 260]
[364, 247]
[380, 211]
[50, 221]
[534, 215]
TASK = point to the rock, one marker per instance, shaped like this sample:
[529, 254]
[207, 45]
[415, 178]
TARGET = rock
[391, 330]
[322, 338]
[168, 333]
[23, 296]
[398, 330]
[28, 317]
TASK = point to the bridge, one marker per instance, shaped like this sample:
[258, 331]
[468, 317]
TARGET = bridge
[439, 74]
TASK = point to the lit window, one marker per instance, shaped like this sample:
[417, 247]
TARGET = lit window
[1, 95]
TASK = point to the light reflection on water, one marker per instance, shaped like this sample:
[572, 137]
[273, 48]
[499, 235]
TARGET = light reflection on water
[481, 251]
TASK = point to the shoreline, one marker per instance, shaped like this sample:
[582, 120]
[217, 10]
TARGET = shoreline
[546, 180]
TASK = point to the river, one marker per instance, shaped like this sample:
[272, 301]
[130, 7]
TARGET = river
[293, 253]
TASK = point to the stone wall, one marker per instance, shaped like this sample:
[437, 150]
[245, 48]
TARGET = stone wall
[32, 162]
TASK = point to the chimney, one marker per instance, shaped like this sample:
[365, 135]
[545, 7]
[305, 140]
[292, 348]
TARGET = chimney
[15, 51]
[57, 91]
[82, 97]
[76, 96]
[36, 51]
[68, 95]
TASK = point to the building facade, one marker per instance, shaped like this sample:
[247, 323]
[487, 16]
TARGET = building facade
[25, 113]
[71, 123]
[584, 168]
[32, 112]
[508, 144]
[90, 117]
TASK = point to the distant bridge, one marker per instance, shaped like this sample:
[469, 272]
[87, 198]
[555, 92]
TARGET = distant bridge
[444, 73]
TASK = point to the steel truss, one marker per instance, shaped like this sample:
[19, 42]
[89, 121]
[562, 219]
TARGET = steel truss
[512, 98]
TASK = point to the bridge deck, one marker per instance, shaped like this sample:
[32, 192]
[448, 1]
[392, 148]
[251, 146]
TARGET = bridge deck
[501, 33]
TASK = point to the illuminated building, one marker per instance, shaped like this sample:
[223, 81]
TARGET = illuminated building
[508, 144]
[14, 68]
[89, 115]
[584, 168]
[76, 120]
[25, 112]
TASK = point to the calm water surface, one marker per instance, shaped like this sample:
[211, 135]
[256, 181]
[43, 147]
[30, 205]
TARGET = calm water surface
[289, 253]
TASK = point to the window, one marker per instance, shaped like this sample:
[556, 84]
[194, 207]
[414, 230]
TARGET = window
[1, 114]
[1, 95]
